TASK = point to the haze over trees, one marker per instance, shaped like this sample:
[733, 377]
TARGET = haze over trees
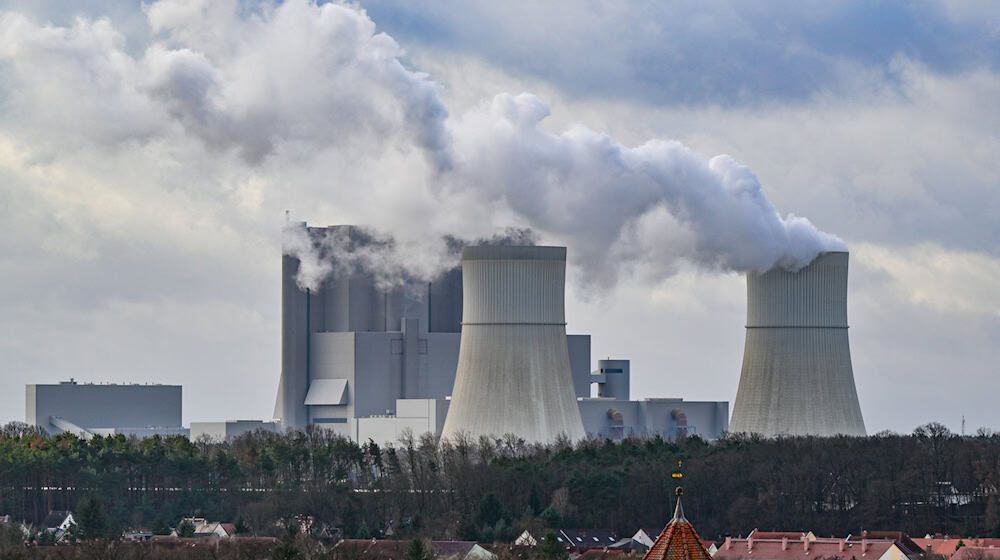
[491, 489]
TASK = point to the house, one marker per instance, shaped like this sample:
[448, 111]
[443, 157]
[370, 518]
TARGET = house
[595, 554]
[58, 522]
[791, 535]
[646, 536]
[977, 553]
[946, 545]
[525, 539]
[905, 547]
[584, 539]
[373, 549]
[137, 536]
[786, 548]
[460, 550]
[203, 528]
[643, 538]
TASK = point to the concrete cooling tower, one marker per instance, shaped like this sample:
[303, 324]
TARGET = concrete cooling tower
[513, 373]
[797, 377]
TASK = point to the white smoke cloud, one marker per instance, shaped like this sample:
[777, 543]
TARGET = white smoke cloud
[315, 99]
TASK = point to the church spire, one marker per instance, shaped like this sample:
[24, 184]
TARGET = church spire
[679, 509]
[678, 540]
[679, 491]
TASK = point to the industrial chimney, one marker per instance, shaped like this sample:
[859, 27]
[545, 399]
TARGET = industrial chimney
[797, 377]
[513, 372]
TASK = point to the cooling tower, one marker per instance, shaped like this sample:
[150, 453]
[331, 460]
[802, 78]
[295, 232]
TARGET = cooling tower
[797, 377]
[513, 373]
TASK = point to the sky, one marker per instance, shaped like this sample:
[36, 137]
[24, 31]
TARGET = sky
[149, 152]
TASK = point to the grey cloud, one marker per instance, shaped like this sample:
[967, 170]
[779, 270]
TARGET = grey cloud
[719, 52]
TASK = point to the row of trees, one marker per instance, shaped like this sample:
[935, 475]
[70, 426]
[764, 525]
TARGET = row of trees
[491, 489]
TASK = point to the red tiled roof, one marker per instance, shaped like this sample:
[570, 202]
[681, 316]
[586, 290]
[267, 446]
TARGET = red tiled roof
[948, 546]
[789, 549]
[976, 553]
[678, 541]
[595, 554]
[796, 535]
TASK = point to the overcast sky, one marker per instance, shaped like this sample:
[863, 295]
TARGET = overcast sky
[148, 154]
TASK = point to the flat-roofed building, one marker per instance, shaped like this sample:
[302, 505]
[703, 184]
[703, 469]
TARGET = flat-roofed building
[89, 409]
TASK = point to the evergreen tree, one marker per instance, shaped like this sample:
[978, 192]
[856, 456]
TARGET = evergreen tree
[535, 499]
[185, 529]
[489, 510]
[551, 517]
[363, 531]
[160, 527]
[91, 519]
[418, 550]
[550, 548]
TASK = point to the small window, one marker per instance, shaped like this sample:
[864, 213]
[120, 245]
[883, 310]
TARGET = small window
[396, 346]
[595, 539]
[329, 420]
[422, 346]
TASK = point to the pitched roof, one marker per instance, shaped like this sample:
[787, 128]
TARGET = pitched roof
[905, 543]
[976, 553]
[947, 546]
[678, 541]
[55, 518]
[787, 549]
[587, 538]
[790, 535]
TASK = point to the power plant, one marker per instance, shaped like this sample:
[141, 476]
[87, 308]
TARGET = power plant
[797, 377]
[107, 409]
[371, 362]
[482, 350]
[513, 371]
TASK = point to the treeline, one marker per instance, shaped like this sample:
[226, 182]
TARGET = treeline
[491, 489]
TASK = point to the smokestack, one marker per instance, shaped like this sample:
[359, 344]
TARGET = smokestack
[797, 377]
[513, 372]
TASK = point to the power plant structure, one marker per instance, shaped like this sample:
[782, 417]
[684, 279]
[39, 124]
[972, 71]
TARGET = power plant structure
[369, 362]
[513, 371]
[797, 377]
[105, 409]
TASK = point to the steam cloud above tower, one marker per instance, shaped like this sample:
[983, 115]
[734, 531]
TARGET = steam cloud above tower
[315, 98]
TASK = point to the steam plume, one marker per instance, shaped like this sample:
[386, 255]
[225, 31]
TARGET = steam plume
[319, 106]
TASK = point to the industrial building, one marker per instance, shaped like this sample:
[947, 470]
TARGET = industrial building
[797, 377]
[612, 413]
[89, 409]
[229, 429]
[372, 363]
[513, 362]
[355, 355]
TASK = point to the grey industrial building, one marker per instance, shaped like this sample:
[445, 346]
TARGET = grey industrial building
[229, 429]
[89, 409]
[797, 377]
[613, 414]
[374, 363]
